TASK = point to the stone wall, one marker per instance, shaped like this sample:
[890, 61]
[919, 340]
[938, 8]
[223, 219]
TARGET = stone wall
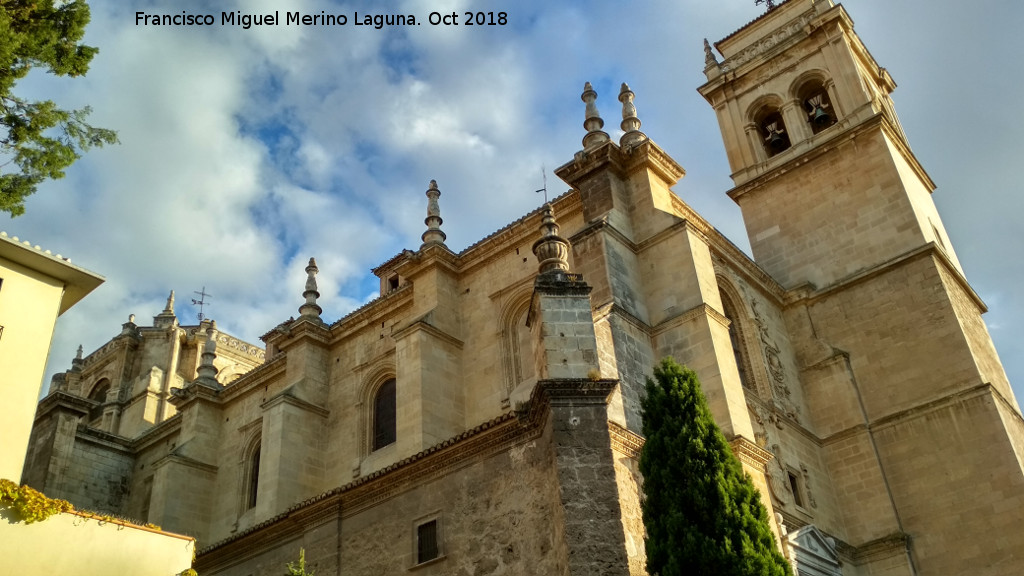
[497, 507]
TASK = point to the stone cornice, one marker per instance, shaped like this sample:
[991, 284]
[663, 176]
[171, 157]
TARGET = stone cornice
[390, 303]
[60, 400]
[185, 461]
[305, 330]
[921, 410]
[256, 377]
[170, 426]
[625, 441]
[558, 283]
[702, 309]
[802, 153]
[390, 263]
[750, 453]
[193, 392]
[105, 439]
[807, 294]
[615, 309]
[422, 325]
[572, 391]
[286, 397]
[884, 547]
[522, 230]
[621, 162]
[434, 255]
[649, 155]
[585, 163]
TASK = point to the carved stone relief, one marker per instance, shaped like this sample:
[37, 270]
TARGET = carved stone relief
[768, 42]
[773, 362]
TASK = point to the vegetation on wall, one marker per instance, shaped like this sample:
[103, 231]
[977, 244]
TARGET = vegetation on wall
[30, 504]
[298, 568]
[702, 513]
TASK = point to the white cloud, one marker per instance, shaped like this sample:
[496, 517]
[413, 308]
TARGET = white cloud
[245, 152]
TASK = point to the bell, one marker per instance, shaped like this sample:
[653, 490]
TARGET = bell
[776, 141]
[820, 117]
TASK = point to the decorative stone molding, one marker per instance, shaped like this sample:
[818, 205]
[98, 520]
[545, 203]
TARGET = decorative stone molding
[780, 36]
[750, 453]
[624, 441]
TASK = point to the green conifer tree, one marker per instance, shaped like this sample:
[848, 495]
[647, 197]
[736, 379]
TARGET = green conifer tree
[702, 513]
[38, 139]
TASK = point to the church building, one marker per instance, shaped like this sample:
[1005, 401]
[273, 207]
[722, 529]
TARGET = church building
[482, 415]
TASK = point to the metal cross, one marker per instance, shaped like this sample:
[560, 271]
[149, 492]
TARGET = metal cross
[201, 302]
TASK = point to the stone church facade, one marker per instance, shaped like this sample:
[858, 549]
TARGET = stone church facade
[482, 415]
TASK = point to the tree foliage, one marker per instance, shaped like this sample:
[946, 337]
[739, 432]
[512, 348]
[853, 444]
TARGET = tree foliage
[702, 513]
[39, 140]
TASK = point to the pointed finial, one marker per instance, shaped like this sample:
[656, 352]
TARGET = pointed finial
[166, 319]
[552, 250]
[709, 57]
[207, 372]
[592, 121]
[310, 307]
[433, 235]
[78, 362]
[630, 123]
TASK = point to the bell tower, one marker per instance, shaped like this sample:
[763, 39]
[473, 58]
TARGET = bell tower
[804, 108]
[910, 404]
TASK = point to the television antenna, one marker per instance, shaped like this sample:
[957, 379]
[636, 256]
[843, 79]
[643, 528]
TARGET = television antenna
[544, 177]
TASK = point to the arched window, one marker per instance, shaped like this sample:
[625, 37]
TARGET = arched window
[516, 344]
[384, 415]
[99, 394]
[254, 479]
[736, 339]
[817, 105]
[774, 135]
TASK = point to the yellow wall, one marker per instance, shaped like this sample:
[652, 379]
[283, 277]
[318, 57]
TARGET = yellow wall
[87, 546]
[29, 303]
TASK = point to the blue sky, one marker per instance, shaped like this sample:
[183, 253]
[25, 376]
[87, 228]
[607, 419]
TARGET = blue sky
[245, 152]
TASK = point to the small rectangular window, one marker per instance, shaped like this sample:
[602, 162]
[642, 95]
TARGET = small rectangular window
[426, 542]
[794, 485]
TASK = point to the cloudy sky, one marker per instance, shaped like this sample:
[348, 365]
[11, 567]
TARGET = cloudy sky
[245, 152]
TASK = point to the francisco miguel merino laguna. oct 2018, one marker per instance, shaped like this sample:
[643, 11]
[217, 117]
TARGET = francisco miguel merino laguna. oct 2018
[378, 21]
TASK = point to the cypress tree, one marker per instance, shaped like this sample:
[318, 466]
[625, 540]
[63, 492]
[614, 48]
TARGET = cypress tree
[702, 513]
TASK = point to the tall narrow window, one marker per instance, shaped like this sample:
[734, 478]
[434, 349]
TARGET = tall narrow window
[147, 498]
[794, 485]
[736, 339]
[384, 411]
[254, 478]
[426, 542]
